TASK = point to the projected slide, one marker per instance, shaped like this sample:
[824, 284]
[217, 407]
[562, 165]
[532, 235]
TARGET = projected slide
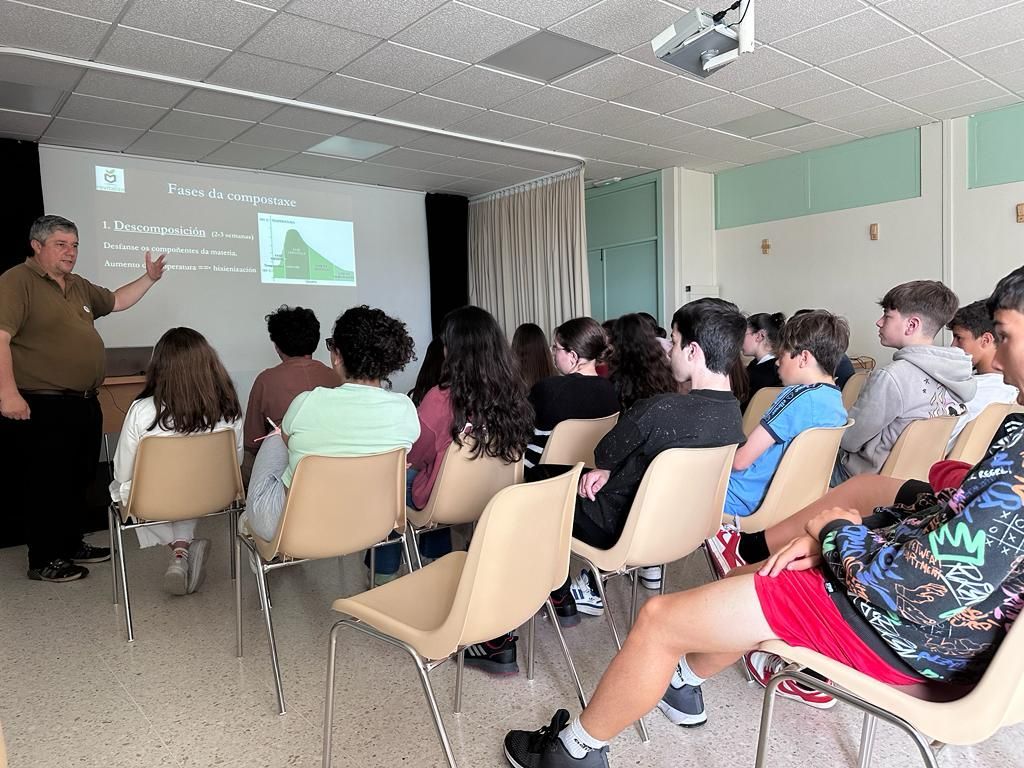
[305, 251]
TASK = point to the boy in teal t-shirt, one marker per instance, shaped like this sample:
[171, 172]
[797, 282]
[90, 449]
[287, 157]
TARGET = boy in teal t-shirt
[812, 346]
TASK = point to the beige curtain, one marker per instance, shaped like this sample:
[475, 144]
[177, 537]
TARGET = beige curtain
[528, 253]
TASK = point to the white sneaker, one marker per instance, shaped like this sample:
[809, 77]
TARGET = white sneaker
[587, 600]
[198, 553]
[650, 577]
[176, 575]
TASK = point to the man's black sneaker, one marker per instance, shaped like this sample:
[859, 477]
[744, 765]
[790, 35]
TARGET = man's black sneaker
[543, 748]
[58, 570]
[87, 553]
[497, 657]
[684, 706]
[565, 606]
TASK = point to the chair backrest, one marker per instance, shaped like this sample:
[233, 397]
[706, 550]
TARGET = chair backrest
[519, 554]
[975, 438]
[464, 485]
[853, 388]
[181, 477]
[802, 476]
[340, 504]
[758, 407]
[574, 440]
[679, 504]
[919, 446]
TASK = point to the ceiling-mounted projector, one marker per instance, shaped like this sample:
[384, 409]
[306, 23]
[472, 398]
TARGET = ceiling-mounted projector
[700, 44]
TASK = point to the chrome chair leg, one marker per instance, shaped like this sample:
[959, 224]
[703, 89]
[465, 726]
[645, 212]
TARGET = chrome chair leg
[407, 550]
[124, 582]
[232, 535]
[634, 598]
[460, 663]
[414, 534]
[373, 566]
[553, 618]
[113, 548]
[664, 578]
[332, 658]
[237, 545]
[867, 741]
[531, 633]
[261, 584]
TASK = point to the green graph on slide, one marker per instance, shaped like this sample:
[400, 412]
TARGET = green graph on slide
[299, 261]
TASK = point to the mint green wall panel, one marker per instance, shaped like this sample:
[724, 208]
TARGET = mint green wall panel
[622, 216]
[633, 272]
[776, 189]
[595, 271]
[995, 147]
[864, 172]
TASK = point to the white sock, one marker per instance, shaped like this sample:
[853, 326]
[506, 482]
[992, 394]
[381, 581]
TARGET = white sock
[684, 675]
[577, 741]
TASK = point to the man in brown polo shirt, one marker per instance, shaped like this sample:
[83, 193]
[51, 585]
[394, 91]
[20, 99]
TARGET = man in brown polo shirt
[51, 364]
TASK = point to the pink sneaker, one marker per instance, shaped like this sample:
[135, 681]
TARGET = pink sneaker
[763, 666]
[724, 549]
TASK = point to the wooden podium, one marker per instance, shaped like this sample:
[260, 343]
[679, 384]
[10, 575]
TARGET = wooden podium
[116, 396]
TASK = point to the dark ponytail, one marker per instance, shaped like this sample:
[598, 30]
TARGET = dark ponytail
[771, 324]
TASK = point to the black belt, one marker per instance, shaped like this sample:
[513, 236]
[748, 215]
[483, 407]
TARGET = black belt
[86, 395]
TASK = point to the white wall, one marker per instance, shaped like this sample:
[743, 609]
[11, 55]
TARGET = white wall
[688, 199]
[967, 237]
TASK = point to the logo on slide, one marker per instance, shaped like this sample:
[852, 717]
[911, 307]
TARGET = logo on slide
[109, 179]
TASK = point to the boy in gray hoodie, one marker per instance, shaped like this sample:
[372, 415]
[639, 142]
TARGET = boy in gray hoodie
[922, 380]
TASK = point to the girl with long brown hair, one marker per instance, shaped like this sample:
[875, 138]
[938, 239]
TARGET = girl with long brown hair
[187, 391]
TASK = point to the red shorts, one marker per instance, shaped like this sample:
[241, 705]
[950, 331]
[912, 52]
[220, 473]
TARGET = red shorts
[801, 613]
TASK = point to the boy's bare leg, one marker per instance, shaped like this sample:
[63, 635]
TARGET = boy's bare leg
[861, 492]
[712, 625]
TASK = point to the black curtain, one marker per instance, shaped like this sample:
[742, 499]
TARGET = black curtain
[448, 246]
[21, 158]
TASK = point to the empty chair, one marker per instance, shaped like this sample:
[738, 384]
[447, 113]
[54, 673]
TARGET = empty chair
[574, 440]
[335, 506]
[853, 388]
[519, 554]
[920, 445]
[975, 438]
[758, 407]
[926, 712]
[678, 505]
[463, 487]
[177, 478]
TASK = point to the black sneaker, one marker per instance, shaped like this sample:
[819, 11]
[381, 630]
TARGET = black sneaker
[496, 657]
[684, 706]
[565, 606]
[87, 553]
[543, 748]
[58, 570]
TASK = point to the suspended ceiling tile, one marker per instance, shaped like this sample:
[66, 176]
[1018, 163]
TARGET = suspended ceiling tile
[844, 37]
[835, 105]
[29, 98]
[150, 52]
[482, 87]
[995, 28]
[804, 134]
[887, 60]
[310, 120]
[155, 144]
[803, 86]
[39, 29]
[402, 67]
[410, 158]
[776, 19]
[495, 125]
[312, 165]
[311, 43]
[548, 104]
[763, 122]
[463, 32]
[669, 95]
[105, 10]
[619, 25]
[26, 71]
[720, 110]
[215, 22]
[136, 89]
[545, 56]
[355, 95]
[243, 156]
[22, 123]
[552, 137]
[887, 114]
[998, 61]
[381, 18]
[958, 95]
[201, 126]
[606, 117]
[383, 134]
[75, 133]
[427, 110]
[275, 137]
[923, 16]
[92, 109]
[539, 13]
[661, 131]
[761, 66]
[226, 105]
[462, 166]
[612, 77]
[924, 80]
[977, 107]
[254, 73]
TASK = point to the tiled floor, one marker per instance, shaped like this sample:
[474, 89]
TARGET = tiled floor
[74, 693]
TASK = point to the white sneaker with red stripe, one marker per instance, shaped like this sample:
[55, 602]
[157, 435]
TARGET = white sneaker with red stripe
[724, 550]
[763, 666]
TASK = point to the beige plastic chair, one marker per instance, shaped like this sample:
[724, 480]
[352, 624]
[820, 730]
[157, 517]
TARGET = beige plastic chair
[758, 407]
[678, 505]
[854, 386]
[336, 506]
[920, 445]
[926, 712]
[462, 489]
[519, 554]
[574, 440]
[802, 476]
[975, 438]
[180, 477]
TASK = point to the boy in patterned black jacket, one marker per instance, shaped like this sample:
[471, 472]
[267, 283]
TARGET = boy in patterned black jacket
[901, 595]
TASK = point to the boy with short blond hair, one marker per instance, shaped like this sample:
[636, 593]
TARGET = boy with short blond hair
[922, 380]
